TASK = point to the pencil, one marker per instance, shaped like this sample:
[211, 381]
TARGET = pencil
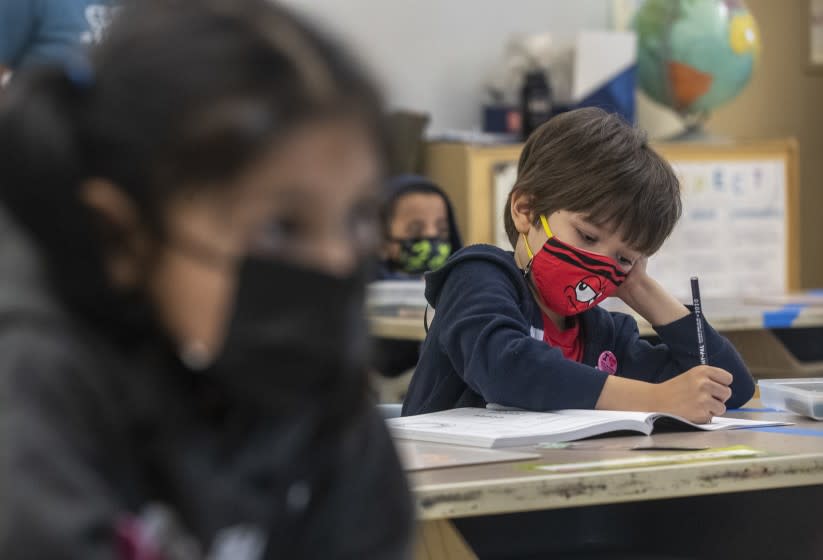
[698, 318]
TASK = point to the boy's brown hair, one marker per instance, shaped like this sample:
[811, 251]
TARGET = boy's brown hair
[593, 162]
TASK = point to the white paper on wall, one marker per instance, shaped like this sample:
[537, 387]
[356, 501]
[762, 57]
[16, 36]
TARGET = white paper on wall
[505, 175]
[732, 234]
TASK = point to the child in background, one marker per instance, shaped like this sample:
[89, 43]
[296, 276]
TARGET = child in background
[419, 235]
[591, 203]
[419, 228]
[188, 380]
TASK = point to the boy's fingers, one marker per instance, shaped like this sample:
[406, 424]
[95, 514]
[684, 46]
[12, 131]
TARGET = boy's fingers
[720, 376]
[717, 408]
[720, 392]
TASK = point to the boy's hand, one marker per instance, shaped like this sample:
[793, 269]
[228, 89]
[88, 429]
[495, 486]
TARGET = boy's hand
[636, 279]
[697, 394]
[645, 295]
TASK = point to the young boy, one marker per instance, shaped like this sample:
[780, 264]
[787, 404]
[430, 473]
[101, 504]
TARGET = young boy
[592, 201]
[419, 234]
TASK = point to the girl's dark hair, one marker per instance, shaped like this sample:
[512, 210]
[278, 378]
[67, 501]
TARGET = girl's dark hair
[180, 95]
[593, 162]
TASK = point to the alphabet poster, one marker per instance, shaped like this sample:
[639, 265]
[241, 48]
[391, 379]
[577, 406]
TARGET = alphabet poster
[732, 234]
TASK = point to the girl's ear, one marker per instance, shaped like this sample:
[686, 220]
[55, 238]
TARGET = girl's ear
[124, 240]
[521, 210]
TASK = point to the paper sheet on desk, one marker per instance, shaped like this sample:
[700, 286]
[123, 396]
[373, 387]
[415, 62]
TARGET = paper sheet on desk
[418, 455]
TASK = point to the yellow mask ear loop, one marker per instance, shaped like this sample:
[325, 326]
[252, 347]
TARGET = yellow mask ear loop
[528, 249]
[546, 228]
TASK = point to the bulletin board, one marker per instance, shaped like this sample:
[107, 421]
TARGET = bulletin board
[740, 226]
[738, 231]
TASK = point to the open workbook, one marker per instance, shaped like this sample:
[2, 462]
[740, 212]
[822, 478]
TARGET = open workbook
[483, 427]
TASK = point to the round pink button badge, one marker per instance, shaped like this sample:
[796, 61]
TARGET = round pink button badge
[607, 362]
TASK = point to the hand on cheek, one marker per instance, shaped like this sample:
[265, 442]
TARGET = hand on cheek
[648, 298]
[637, 280]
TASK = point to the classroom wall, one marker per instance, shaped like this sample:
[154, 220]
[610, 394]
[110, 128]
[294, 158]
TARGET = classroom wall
[434, 55]
[785, 99]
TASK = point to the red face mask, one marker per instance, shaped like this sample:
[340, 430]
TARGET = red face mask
[571, 280]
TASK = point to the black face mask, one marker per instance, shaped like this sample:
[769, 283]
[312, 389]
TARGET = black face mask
[421, 254]
[296, 336]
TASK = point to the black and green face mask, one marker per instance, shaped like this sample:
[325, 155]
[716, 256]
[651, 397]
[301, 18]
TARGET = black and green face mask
[421, 254]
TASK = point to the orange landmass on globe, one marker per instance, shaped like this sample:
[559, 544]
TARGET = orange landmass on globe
[688, 83]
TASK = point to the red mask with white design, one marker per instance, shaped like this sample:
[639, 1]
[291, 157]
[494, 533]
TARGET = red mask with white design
[571, 280]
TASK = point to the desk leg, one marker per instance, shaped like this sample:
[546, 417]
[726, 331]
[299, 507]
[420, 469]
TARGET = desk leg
[438, 540]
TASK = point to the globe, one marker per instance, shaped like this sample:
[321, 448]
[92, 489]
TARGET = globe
[695, 55]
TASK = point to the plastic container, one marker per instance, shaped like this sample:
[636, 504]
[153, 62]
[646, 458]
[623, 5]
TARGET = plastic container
[802, 396]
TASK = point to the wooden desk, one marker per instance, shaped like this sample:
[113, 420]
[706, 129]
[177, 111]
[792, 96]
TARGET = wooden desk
[736, 315]
[795, 460]
[724, 315]
[747, 326]
[397, 328]
[509, 487]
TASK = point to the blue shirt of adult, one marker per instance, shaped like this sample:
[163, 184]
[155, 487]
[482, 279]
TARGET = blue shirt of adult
[42, 31]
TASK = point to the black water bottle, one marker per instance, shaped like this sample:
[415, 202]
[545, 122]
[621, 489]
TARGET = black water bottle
[535, 101]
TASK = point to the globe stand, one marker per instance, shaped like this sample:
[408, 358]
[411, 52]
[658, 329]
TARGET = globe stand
[693, 131]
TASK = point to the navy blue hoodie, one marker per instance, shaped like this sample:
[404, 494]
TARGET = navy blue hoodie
[485, 345]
